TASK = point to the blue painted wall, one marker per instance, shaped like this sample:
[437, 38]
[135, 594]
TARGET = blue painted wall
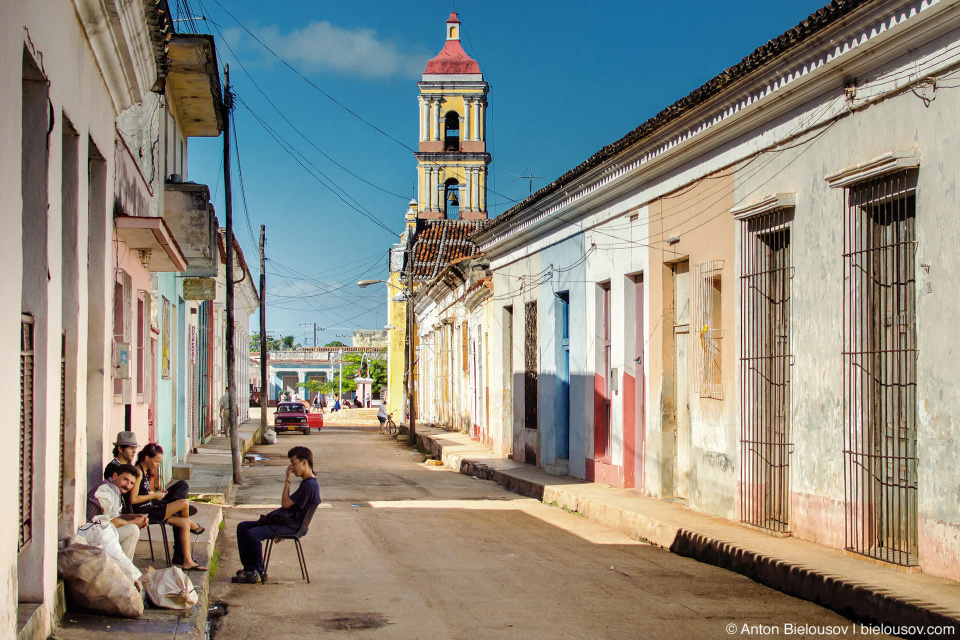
[568, 274]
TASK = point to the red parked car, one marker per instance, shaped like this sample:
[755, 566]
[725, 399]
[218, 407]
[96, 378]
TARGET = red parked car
[296, 416]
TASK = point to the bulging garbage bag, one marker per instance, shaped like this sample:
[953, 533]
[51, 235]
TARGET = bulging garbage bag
[270, 436]
[170, 588]
[95, 581]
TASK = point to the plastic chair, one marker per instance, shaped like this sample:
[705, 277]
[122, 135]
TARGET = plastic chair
[301, 556]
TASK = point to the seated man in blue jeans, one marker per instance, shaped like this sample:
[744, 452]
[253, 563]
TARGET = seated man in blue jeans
[284, 521]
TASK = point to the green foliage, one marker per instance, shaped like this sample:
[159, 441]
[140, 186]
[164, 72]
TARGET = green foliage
[335, 343]
[351, 369]
[313, 386]
[273, 344]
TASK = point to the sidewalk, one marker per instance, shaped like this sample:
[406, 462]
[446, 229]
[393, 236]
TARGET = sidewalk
[212, 467]
[829, 577]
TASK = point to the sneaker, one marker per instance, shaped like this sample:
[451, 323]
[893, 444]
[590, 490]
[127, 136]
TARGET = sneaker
[246, 577]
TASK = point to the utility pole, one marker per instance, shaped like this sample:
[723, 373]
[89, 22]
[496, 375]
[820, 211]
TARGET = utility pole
[231, 355]
[412, 425]
[264, 394]
[340, 377]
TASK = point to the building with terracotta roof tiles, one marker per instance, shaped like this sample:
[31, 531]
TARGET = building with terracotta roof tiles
[451, 201]
[743, 304]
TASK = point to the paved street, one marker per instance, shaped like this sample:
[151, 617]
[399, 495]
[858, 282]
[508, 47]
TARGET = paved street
[403, 550]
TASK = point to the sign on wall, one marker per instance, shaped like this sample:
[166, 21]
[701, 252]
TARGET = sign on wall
[199, 288]
[165, 339]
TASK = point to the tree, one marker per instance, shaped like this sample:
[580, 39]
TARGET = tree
[288, 344]
[335, 343]
[272, 343]
[351, 369]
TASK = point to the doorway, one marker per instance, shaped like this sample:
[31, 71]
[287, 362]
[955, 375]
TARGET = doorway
[681, 377]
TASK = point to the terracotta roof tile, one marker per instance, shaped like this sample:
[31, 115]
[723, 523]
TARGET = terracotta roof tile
[441, 242]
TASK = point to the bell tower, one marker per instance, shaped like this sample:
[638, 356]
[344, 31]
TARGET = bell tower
[452, 158]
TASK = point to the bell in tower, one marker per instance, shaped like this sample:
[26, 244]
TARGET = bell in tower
[453, 148]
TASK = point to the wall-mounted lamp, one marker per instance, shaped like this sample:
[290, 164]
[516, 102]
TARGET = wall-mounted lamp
[673, 240]
[145, 257]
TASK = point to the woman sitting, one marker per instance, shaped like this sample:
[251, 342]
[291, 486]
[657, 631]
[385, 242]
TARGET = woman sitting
[169, 506]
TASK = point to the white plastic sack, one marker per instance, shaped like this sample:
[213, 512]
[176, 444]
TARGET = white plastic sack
[169, 588]
[95, 581]
[105, 535]
[270, 437]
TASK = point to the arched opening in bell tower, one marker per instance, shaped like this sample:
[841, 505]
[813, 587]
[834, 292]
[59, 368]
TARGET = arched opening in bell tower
[451, 199]
[451, 131]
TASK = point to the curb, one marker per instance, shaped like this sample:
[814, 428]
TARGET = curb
[193, 625]
[844, 596]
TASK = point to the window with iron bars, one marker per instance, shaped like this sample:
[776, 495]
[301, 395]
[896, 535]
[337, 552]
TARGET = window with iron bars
[26, 430]
[880, 368]
[708, 380]
[766, 360]
[530, 365]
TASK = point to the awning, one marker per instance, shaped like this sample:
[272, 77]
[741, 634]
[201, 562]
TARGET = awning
[151, 234]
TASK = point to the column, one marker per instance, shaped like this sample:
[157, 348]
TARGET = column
[481, 121]
[468, 176]
[475, 196]
[465, 134]
[482, 190]
[432, 191]
[436, 119]
[477, 112]
[423, 120]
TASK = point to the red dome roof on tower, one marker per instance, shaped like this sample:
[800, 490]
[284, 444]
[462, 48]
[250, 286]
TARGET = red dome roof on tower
[452, 59]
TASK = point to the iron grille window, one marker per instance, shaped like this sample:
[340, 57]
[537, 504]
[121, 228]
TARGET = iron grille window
[706, 281]
[530, 365]
[766, 360]
[26, 430]
[880, 373]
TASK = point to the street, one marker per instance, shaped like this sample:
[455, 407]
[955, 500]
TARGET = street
[403, 550]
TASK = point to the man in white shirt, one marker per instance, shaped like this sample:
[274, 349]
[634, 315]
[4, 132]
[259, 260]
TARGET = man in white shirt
[108, 524]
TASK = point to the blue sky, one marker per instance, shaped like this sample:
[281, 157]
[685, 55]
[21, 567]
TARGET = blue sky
[566, 78]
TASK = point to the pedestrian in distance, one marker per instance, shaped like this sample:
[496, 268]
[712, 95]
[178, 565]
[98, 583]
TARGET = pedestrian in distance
[336, 403]
[323, 402]
[382, 415]
[284, 521]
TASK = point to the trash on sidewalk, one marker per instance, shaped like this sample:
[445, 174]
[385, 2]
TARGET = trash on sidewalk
[270, 437]
[95, 581]
[254, 457]
[169, 588]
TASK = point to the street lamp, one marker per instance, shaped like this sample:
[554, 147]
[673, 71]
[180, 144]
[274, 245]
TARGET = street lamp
[408, 364]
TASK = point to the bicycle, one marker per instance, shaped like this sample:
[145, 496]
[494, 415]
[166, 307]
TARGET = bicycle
[390, 425]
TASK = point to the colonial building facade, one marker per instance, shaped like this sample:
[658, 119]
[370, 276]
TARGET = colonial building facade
[451, 203]
[740, 304]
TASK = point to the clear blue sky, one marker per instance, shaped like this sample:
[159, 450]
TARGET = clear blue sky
[566, 78]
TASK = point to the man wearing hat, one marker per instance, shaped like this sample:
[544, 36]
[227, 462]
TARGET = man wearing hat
[124, 452]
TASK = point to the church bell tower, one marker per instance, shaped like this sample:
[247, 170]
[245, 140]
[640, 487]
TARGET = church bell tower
[452, 158]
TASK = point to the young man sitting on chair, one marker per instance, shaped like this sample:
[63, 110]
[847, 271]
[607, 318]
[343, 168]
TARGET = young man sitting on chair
[284, 521]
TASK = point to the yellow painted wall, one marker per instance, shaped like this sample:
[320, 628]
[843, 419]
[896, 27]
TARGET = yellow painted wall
[396, 317]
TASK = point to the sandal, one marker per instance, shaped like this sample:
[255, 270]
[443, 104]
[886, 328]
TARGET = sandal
[196, 567]
[198, 530]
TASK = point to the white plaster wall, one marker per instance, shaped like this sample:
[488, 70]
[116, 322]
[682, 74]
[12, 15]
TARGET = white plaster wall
[50, 30]
[817, 468]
